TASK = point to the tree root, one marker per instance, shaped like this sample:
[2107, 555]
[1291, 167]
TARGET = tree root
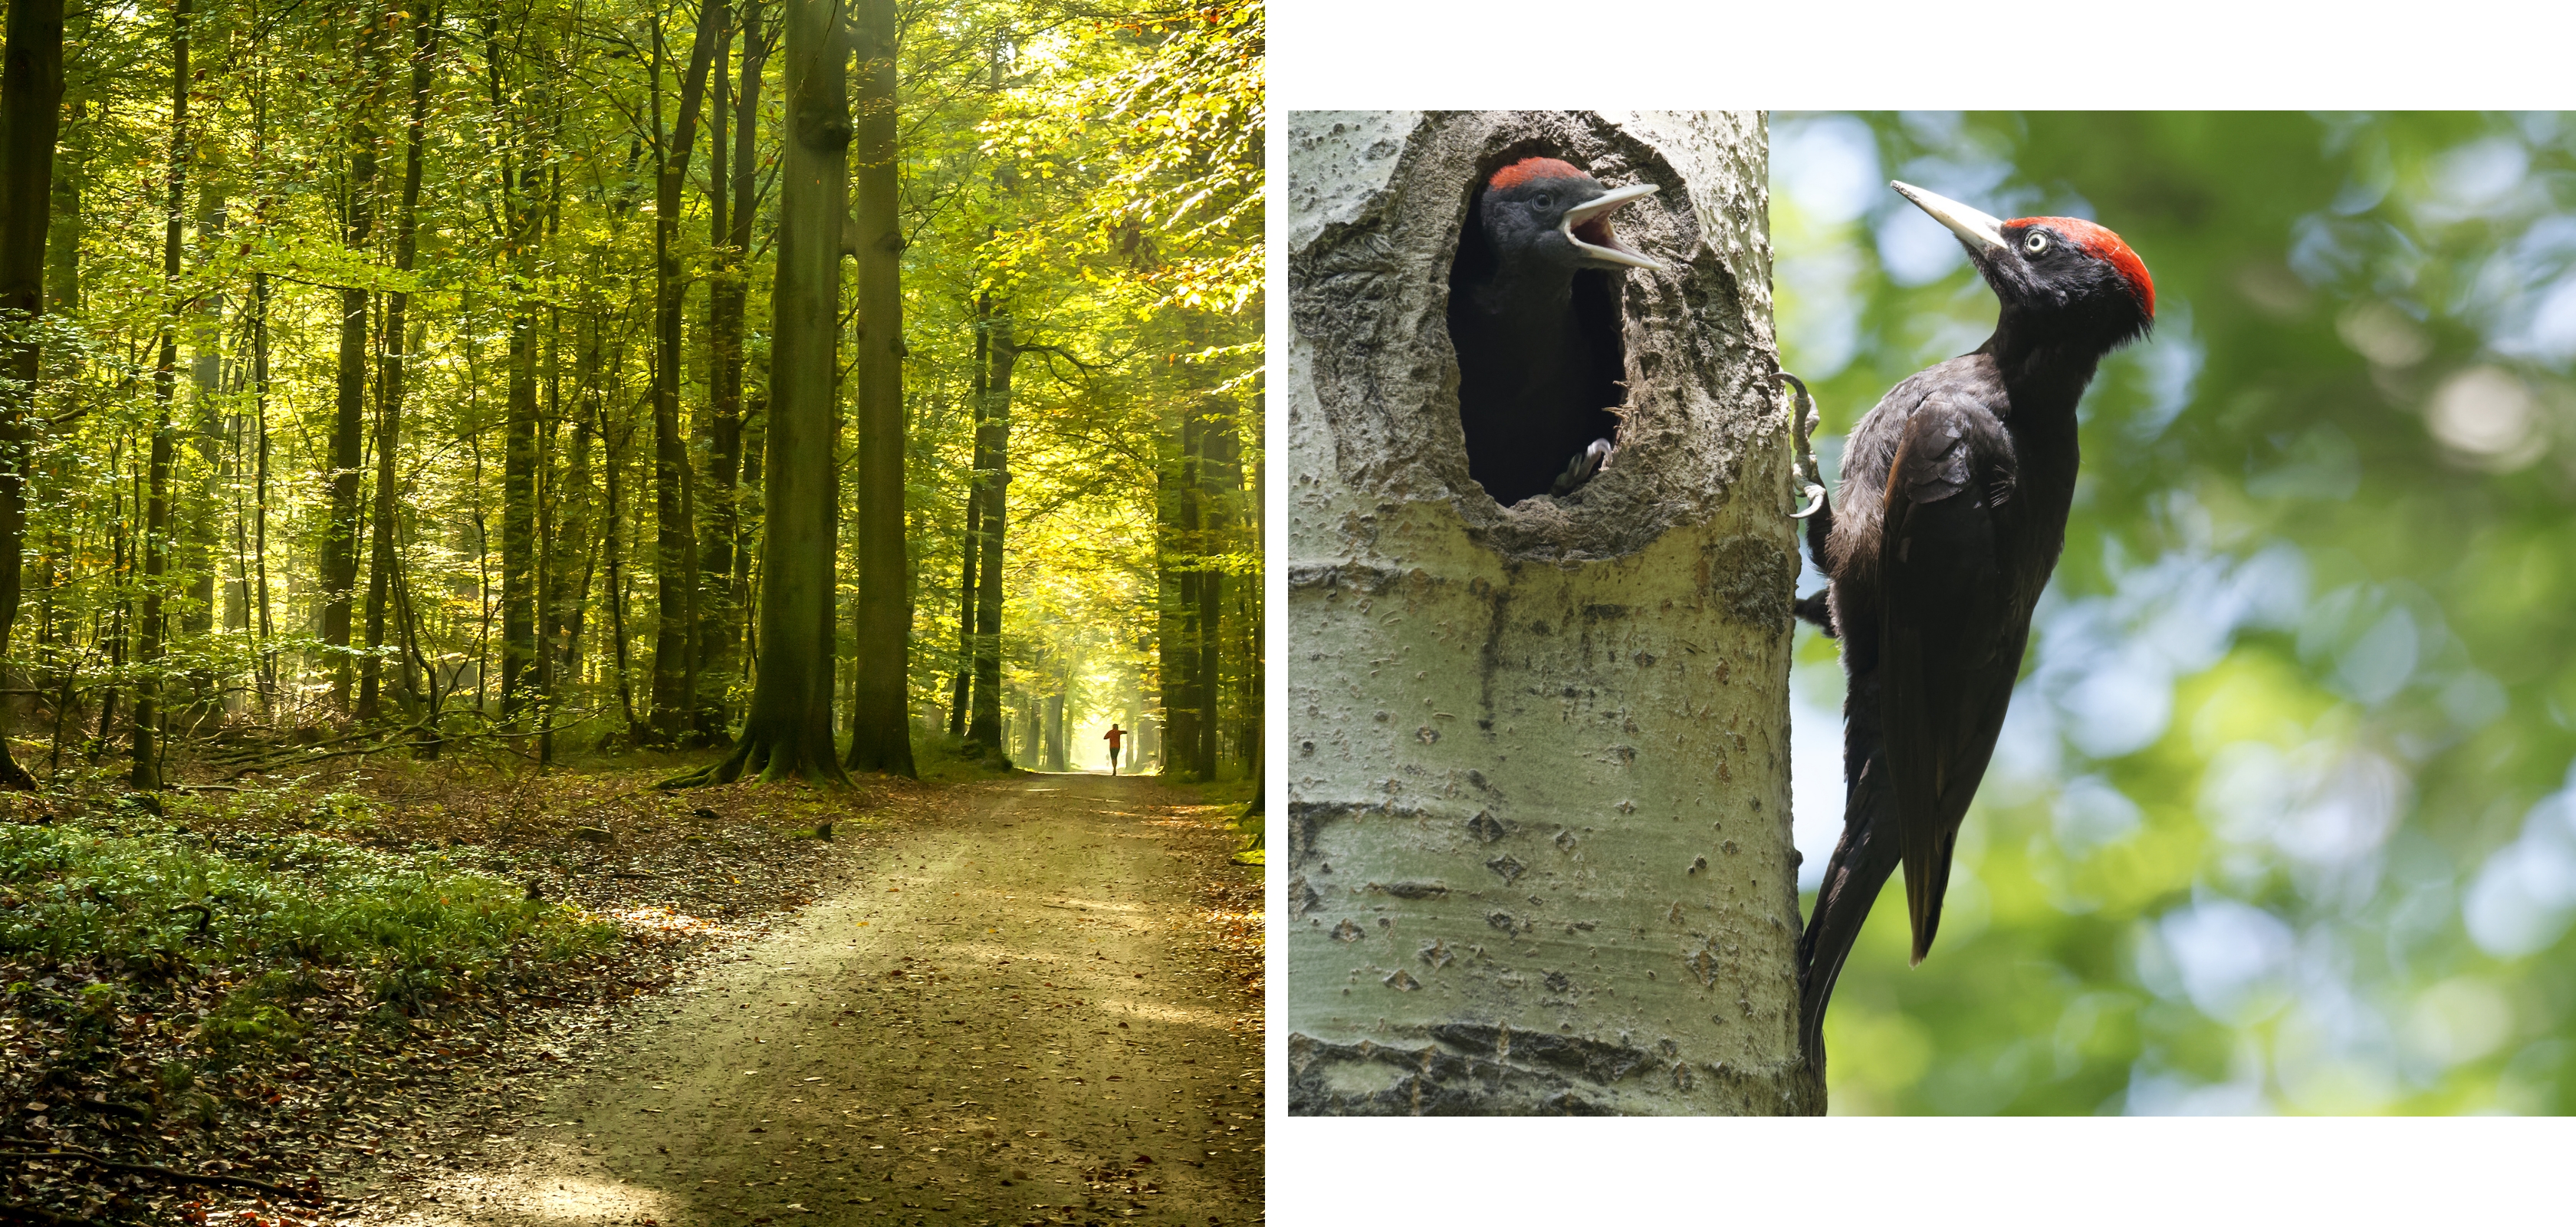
[148, 1169]
[768, 758]
[15, 1212]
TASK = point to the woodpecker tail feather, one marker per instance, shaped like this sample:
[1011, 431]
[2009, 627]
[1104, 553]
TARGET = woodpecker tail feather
[1868, 852]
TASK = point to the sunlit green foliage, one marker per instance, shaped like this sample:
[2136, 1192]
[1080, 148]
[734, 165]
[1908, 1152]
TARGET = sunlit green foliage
[1092, 172]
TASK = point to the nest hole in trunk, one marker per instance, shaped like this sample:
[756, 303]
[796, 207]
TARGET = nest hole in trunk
[1511, 464]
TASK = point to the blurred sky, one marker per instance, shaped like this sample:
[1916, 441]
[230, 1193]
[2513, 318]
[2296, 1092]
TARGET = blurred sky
[2283, 819]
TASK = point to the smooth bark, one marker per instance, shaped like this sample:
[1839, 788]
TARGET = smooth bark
[675, 577]
[348, 422]
[31, 88]
[787, 733]
[985, 728]
[880, 722]
[393, 369]
[1539, 825]
[165, 384]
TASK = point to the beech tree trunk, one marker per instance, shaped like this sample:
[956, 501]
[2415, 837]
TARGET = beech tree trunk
[970, 540]
[788, 729]
[392, 369]
[31, 90]
[521, 544]
[994, 439]
[675, 578]
[165, 385]
[880, 719]
[734, 197]
[339, 562]
[1538, 772]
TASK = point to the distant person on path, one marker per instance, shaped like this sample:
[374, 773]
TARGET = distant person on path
[1114, 737]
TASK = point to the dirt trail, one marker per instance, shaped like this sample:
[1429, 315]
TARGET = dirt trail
[1006, 1018]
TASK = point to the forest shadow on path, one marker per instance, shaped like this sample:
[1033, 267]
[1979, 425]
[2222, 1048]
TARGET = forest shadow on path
[1008, 1017]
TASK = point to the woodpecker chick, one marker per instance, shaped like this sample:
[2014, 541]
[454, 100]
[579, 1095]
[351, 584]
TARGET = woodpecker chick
[1950, 517]
[1536, 378]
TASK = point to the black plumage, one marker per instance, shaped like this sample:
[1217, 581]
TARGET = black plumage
[1950, 517]
[1533, 314]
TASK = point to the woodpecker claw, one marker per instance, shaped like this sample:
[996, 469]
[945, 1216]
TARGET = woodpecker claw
[1583, 468]
[1803, 467]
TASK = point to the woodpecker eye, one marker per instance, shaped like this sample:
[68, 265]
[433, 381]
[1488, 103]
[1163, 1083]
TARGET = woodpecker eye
[1544, 200]
[2036, 243]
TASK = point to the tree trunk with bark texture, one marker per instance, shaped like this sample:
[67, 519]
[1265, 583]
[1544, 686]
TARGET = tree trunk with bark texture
[31, 90]
[675, 578]
[994, 440]
[788, 731]
[165, 386]
[392, 370]
[880, 720]
[970, 540]
[1538, 772]
[736, 186]
[348, 423]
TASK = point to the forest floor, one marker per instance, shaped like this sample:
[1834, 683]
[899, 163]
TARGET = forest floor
[1045, 992]
[1018, 1017]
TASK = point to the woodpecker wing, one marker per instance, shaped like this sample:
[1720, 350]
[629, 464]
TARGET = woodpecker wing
[1950, 634]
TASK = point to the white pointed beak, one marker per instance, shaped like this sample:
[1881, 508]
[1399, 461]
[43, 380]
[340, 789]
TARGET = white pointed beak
[1980, 231]
[1613, 251]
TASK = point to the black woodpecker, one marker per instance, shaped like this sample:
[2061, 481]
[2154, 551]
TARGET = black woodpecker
[1950, 516]
[1536, 377]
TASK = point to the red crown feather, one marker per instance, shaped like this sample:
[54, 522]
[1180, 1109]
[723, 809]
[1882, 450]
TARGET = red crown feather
[2105, 246]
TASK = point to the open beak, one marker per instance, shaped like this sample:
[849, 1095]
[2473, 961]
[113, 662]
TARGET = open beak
[1979, 231]
[1587, 226]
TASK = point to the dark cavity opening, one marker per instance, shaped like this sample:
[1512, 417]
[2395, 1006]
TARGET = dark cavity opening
[1529, 410]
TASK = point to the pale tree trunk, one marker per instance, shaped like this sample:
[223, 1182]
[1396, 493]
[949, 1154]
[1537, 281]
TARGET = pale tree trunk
[1538, 758]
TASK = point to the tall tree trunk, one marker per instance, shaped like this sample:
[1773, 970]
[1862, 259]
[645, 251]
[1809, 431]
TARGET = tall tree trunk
[392, 373]
[1178, 495]
[788, 730]
[205, 381]
[735, 196]
[675, 579]
[615, 549]
[970, 537]
[520, 543]
[165, 385]
[348, 423]
[31, 89]
[1256, 664]
[1543, 750]
[880, 721]
[1218, 481]
[742, 450]
[986, 726]
[961, 685]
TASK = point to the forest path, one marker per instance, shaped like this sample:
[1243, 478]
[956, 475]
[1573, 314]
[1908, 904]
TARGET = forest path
[1006, 1021]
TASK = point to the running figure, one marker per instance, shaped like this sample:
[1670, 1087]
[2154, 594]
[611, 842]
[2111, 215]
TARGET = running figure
[1114, 736]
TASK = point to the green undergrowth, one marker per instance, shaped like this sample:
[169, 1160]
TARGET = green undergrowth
[1235, 796]
[938, 757]
[267, 916]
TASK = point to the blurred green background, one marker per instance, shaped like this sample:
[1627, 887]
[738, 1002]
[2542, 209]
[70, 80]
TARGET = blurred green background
[2283, 819]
